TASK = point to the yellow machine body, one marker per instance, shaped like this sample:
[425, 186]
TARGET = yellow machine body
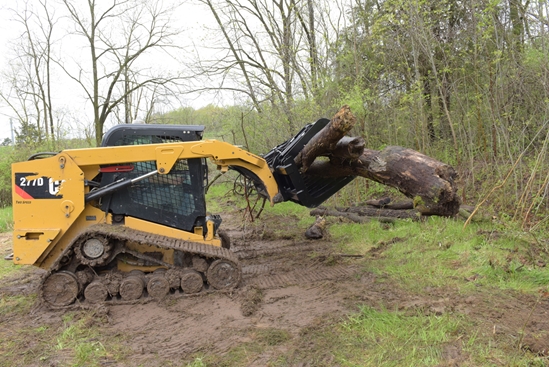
[49, 194]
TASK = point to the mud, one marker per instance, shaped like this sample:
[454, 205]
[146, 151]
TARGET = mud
[291, 284]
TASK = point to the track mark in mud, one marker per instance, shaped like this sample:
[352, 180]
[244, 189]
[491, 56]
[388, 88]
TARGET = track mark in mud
[250, 252]
[302, 277]
[256, 269]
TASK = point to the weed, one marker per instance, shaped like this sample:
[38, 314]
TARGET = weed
[198, 362]
[7, 267]
[16, 304]
[271, 336]
[6, 219]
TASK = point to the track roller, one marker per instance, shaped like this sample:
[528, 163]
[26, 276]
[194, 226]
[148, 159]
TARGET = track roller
[60, 289]
[223, 274]
[131, 287]
[158, 286]
[191, 281]
[96, 292]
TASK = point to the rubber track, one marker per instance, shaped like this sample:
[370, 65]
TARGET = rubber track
[123, 233]
[114, 232]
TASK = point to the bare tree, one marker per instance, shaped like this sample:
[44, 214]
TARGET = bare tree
[118, 37]
[270, 51]
[29, 79]
[19, 93]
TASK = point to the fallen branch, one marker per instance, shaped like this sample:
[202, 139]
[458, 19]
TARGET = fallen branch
[379, 212]
[349, 215]
[386, 204]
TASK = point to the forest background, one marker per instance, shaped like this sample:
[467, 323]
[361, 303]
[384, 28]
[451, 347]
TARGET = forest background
[466, 82]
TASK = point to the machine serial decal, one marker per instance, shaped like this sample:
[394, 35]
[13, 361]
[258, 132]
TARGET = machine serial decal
[36, 188]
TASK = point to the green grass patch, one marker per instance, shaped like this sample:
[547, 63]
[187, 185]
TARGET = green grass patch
[76, 341]
[7, 267]
[222, 196]
[289, 209]
[79, 338]
[380, 337]
[439, 252]
[6, 219]
[16, 304]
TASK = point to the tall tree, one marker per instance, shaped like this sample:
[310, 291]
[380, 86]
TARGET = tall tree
[270, 52]
[29, 91]
[118, 36]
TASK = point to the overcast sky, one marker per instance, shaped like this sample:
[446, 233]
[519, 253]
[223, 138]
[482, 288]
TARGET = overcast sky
[5, 36]
[192, 17]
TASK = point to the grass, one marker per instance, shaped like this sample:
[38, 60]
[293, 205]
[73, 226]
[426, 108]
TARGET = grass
[7, 267]
[392, 338]
[488, 258]
[16, 305]
[6, 219]
[260, 341]
[75, 341]
[220, 197]
[439, 252]
[6, 224]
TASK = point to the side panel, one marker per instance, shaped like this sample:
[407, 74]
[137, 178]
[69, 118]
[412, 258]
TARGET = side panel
[48, 196]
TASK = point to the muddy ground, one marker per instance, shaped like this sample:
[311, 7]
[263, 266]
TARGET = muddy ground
[289, 284]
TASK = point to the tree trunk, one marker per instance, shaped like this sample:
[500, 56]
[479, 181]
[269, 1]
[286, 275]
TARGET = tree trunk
[326, 140]
[347, 148]
[428, 182]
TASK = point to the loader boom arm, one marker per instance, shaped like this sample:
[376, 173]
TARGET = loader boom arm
[51, 195]
[222, 154]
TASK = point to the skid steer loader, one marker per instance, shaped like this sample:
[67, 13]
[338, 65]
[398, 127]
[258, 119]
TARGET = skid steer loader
[128, 219]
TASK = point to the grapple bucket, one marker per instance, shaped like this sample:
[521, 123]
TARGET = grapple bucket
[309, 191]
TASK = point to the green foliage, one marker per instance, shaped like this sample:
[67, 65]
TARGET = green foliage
[439, 252]
[27, 135]
[6, 219]
[415, 339]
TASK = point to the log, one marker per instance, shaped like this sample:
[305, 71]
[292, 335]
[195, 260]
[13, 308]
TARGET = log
[326, 140]
[386, 203]
[378, 212]
[427, 181]
[316, 230]
[378, 203]
[355, 217]
[336, 213]
[347, 149]
[409, 204]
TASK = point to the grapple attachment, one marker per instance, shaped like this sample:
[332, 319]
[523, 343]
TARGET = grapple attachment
[302, 189]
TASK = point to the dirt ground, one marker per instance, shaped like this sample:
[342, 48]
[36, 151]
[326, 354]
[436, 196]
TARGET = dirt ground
[289, 284]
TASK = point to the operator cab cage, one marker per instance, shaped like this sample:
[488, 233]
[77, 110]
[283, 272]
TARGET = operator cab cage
[116, 135]
[176, 199]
